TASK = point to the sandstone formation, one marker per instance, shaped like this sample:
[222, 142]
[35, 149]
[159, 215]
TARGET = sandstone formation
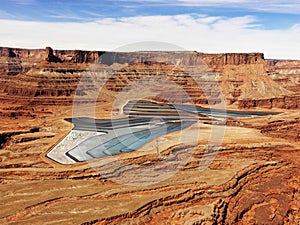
[245, 80]
[285, 72]
[79, 56]
[252, 179]
[50, 57]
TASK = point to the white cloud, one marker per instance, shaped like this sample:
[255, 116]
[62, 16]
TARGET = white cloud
[6, 15]
[23, 2]
[192, 32]
[277, 6]
[65, 16]
[286, 6]
[212, 2]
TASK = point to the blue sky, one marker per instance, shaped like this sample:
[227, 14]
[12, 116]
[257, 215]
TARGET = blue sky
[269, 26]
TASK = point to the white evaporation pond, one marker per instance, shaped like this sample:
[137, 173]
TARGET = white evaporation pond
[74, 138]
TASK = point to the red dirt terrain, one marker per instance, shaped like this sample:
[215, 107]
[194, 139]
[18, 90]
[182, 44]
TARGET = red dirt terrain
[252, 179]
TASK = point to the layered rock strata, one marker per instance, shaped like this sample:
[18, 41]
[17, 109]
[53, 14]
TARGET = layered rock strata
[252, 179]
[245, 80]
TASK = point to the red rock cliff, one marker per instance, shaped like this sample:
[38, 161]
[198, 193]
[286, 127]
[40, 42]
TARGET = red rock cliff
[79, 56]
[243, 77]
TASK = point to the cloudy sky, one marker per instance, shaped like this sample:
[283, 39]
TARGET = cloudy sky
[213, 26]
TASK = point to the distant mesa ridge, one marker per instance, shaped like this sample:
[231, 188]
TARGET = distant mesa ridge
[81, 56]
[246, 80]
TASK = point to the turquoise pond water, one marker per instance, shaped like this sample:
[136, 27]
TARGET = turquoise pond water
[221, 113]
[121, 138]
[133, 141]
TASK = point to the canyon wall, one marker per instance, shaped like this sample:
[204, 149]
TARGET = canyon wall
[78, 56]
[247, 80]
[255, 170]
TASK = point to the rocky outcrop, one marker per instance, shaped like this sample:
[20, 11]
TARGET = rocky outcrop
[23, 54]
[286, 102]
[7, 52]
[50, 57]
[165, 81]
[16, 61]
[232, 59]
[286, 73]
[6, 136]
